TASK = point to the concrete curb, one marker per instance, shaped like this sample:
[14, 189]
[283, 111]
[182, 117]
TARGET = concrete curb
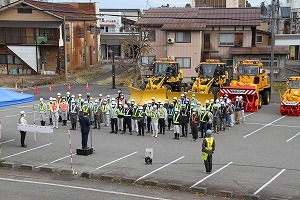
[27, 167]
[7, 165]
[225, 193]
[86, 175]
[128, 180]
[47, 169]
[150, 183]
[107, 178]
[67, 172]
[174, 186]
[251, 197]
[200, 190]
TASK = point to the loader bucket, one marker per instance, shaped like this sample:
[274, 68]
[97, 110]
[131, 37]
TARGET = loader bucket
[249, 94]
[140, 96]
[201, 97]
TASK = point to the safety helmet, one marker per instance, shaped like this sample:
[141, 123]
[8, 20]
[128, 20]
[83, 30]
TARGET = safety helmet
[113, 103]
[100, 95]
[145, 102]
[108, 96]
[125, 106]
[187, 100]
[80, 95]
[167, 101]
[176, 110]
[50, 99]
[194, 110]
[212, 101]
[149, 102]
[193, 95]
[22, 112]
[120, 104]
[141, 108]
[192, 104]
[185, 93]
[58, 94]
[222, 103]
[241, 97]
[206, 101]
[175, 98]
[41, 99]
[96, 100]
[132, 100]
[68, 93]
[217, 100]
[203, 109]
[88, 94]
[72, 96]
[155, 106]
[199, 103]
[113, 99]
[158, 101]
[182, 95]
[208, 132]
[85, 102]
[153, 98]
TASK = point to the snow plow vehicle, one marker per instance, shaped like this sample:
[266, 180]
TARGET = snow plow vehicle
[166, 79]
[253, 84]
[212, 75]
[290, 100]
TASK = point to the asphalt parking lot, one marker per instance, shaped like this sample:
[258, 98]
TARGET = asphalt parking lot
[258, 157]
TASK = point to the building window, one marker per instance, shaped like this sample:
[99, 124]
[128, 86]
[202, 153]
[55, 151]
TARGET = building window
[183, 62]
[259, 39]
[226, 39]
[183, 37]
[25, 10]
[149, 35]
[3, 59]
[146, 60]
[11, 59]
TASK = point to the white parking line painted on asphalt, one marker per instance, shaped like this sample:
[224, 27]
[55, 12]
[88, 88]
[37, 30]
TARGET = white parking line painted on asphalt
[26, 151]
[7, 141]
[82, 188]
[293, 137]
[270, 181]
[17, 114]
[264, 126]
[279, 125]
[54, 161]
[249, 114]
[159, 168]
[211, 175]
[114, 161]
[15, 108]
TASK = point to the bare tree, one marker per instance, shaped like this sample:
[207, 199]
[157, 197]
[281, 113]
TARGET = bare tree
[136, 45]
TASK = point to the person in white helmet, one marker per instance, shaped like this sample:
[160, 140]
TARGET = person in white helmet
[127, 119]
[120, 116]
[79, 102]
[105, 112]
[64, 109]
[58, 102]
[42, 111]
[237, 109]
[113, 112]
[55, 115]
[49, 105]
[162, 118]
[154, 121]
[176, 123]
[97, 114]
[73, 110]
[148, 111]
[141, 119]
[23, 121]
[134, 121]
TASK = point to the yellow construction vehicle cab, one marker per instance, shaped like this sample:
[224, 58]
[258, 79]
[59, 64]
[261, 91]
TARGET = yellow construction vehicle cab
[211, 75]
[290, 100]
[253, 84]
[165, 78]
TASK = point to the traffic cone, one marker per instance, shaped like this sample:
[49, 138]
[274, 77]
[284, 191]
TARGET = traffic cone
[37, 90]
[22, 90]
[50, 88]
[69, 87]
[87, 86]
[16, 86]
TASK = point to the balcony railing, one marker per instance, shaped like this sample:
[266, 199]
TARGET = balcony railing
[28, 40]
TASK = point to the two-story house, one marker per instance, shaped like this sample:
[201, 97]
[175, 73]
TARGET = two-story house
[191, 35]
[34, 35]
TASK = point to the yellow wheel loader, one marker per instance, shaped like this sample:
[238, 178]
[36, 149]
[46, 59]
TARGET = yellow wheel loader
[211, 75]
[166, 79]
[290, 100]
[253, 84]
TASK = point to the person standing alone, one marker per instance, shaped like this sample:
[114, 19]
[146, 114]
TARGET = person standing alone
[208, 147]
[22, 121]
[85, 130]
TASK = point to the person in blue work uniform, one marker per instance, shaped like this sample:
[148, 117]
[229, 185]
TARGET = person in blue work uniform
[208, 146]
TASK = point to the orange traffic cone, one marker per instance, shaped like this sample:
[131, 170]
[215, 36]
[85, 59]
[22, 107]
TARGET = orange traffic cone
[21, 90]
[69, 87]
[87, 86]
[50, 88]
[37, 90]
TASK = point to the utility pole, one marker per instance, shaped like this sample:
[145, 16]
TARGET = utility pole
[272, 41]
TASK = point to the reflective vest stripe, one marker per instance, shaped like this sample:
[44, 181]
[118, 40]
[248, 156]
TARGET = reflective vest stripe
[175, 118]
[209, 143]
[203, 116]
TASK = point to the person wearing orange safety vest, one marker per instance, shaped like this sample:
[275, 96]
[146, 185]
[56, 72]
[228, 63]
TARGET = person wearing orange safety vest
[64, 109]
[55, 115]
[208, 147]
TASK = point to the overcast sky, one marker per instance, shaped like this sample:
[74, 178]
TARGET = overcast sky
[142, 4]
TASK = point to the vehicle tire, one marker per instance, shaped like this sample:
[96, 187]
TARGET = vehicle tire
[259, 101]
[169, 88]
[266, 97]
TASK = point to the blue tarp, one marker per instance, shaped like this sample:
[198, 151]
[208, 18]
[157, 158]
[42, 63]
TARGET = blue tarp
[8, 98]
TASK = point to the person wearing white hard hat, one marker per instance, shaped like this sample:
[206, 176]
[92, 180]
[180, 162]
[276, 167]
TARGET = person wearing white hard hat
[204, 118]
[194, 100]
[194, 121]
[141, 119]
[85, 110]
[42, 111]
[176, 123]
[73, 110]
[216, 119]
[49, 105]
[79, 102]
[134, 121]
[55, 115]
[127, 119]
[105, 112]
[237, 109]
[120, 116]
[170, 111]
[113, 113]
[58, 102]
[223, 112]
[154, 121]
[23, 121]
[64, 109]
[97, 114]
[207, 105]
[148, 111]
[162, 118]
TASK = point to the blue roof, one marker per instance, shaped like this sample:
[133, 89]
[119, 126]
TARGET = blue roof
[9, 98]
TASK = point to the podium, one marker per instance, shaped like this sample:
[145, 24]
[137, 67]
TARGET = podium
[84, 152]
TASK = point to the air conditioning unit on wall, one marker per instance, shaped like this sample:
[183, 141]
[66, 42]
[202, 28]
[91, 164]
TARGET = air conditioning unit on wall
[170, 40]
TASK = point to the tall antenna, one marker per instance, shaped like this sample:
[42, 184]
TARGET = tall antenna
[148, 4]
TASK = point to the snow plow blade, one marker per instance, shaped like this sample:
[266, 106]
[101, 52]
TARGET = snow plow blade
[249, 94]
[290, 108]
[201, 97]
[171, 95]
[140, 96]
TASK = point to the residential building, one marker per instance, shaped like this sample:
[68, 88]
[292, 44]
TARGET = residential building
[117, 28]
[219, 3]
[32, 37]
[191, 35]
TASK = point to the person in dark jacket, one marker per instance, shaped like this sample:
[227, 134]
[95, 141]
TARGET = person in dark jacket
[208, 146]
[204, 118]
[194, 121]
[85, 130]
